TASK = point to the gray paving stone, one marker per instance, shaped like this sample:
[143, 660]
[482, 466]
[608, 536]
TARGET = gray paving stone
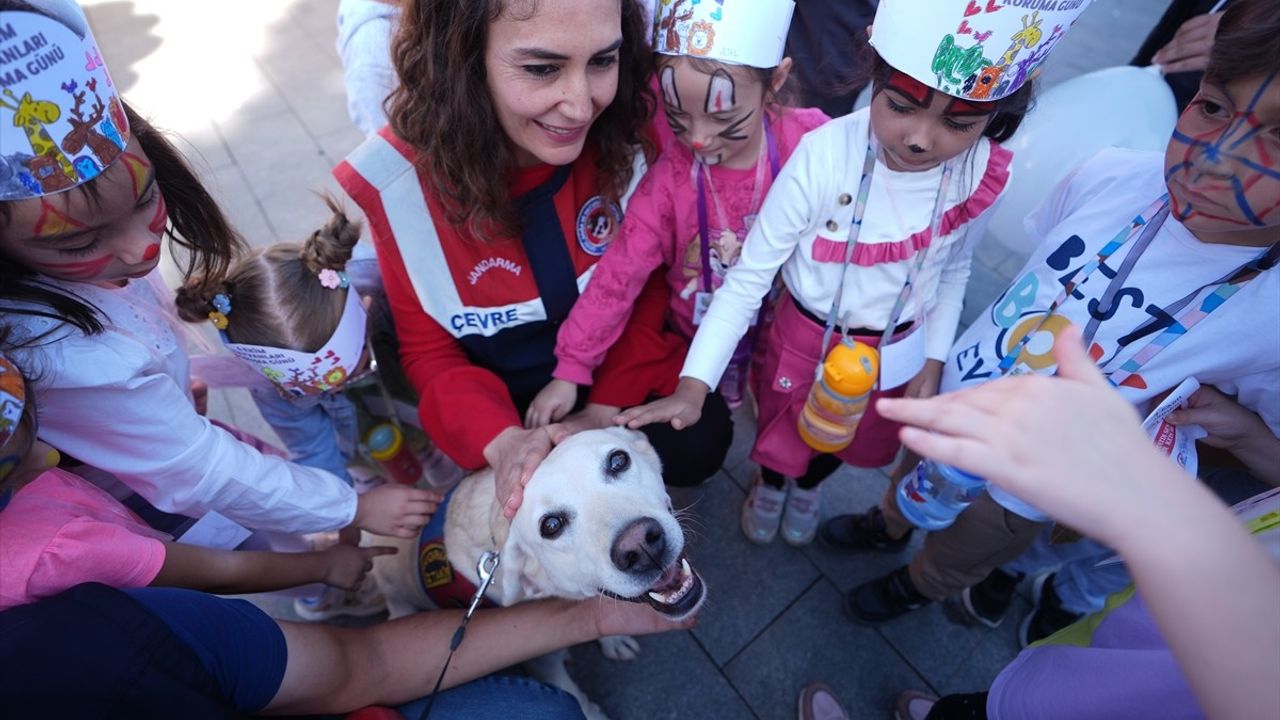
[985, 285]
[812, 642]
[935, 646]
[737, 463]
[853, 490]
[748, 585]
[996, 650]
[672, 678]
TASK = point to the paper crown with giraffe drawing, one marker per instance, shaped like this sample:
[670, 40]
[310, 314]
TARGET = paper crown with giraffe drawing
[980, 50]
[61, 119]
[741, 32]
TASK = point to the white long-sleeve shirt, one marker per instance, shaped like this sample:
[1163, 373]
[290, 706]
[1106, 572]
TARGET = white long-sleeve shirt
[120, 402]
[803, 230]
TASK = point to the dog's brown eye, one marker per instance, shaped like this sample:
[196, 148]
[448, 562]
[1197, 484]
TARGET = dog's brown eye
[551, 526]
[617, 463]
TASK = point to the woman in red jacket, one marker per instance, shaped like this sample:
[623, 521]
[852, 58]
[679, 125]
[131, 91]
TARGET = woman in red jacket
[515, 138]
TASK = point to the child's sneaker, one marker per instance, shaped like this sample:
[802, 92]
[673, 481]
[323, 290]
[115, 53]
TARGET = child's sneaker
[762, 512]
[800, 518]
[364, 601]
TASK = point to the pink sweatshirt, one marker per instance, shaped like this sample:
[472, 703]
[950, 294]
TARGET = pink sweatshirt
[661, 228]
[60, 531]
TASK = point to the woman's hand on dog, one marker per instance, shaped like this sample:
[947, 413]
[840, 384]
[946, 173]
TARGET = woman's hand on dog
[514, 454]
[620, 617]
[348, 564]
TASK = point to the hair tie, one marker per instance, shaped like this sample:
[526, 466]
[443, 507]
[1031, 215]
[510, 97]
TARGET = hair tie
[333, 279]
[221, 307]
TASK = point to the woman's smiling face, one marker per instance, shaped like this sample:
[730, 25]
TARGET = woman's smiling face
[551, 73]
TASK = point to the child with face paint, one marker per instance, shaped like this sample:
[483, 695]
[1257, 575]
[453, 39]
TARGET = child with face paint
[58, 530]
[691, 212]
[1166, 263]
[872, 224]
[87, 193]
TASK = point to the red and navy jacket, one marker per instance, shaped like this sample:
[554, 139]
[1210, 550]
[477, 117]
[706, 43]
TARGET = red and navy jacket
[476, 319]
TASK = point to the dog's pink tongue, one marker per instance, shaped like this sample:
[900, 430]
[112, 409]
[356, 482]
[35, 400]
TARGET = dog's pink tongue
[670, 578]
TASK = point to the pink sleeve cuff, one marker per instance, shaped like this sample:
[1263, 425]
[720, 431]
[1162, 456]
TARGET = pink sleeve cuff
[571, 371]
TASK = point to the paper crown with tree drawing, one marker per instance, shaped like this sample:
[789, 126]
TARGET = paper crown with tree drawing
[61, 119]
[980, 50]
[742, 32]
[303, 373]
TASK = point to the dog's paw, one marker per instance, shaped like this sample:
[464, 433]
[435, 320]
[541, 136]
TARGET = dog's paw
[620, 647]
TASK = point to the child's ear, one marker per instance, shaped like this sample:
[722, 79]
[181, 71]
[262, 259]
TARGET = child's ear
[780, 75]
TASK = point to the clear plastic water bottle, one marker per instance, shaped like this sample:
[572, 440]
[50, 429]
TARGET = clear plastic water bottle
[838, 399]
[933, 495]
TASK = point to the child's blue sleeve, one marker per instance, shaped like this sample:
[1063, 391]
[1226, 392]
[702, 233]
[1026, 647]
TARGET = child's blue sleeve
[318, 431]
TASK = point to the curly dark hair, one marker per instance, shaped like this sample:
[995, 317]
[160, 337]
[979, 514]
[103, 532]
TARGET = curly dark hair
[442, 107]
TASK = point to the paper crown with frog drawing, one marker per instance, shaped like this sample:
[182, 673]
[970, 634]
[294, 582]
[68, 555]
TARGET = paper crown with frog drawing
[303, 373]
[981, 50]
[61, 118]
[741, 32]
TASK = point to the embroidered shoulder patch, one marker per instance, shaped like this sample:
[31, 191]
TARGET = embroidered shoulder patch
[597, 224]
[433, 566]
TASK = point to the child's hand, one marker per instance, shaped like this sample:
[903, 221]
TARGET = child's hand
[925, 383]
[349, 564]
[395, 510]
[1230, 425]
[552, 403]
[682, 408]
[1068, 444]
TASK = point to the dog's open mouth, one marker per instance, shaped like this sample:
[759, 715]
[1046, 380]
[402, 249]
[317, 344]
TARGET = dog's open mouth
[678, 591]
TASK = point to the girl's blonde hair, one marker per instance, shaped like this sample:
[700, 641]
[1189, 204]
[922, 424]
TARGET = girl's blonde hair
[276, 296]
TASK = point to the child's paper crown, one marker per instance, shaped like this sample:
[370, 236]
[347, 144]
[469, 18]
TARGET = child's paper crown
[61, 119]
[13, 398]
[980, 50]
[300, 373]
[741, 32]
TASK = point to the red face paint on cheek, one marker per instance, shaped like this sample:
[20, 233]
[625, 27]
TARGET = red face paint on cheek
[160, 220]
[151, 253]
[76, 270]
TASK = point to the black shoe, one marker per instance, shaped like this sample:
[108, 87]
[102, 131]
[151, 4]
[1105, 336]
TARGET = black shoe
[1048, 616]
[851, 533]
[989, 601]
[884, 599]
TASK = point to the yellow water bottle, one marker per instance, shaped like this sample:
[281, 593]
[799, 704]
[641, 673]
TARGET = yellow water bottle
[838, 399]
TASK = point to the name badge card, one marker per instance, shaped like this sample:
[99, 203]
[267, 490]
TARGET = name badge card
[902, 359]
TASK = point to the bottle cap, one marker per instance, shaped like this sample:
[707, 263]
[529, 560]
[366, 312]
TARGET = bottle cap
[851, 368]
[384, 441]
[956, 474]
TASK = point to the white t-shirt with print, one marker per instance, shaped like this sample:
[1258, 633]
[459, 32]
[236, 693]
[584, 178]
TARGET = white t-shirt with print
[1236, 348]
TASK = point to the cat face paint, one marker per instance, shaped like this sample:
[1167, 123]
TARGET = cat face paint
[1222, 165]
[103, 238]
[727, 129]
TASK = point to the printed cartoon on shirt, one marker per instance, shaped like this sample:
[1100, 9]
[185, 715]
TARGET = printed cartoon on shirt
[1020, 312]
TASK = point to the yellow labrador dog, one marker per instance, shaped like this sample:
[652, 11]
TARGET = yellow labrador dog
[596, 520]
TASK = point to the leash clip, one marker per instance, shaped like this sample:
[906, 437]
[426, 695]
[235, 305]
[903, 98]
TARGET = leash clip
[485, 568]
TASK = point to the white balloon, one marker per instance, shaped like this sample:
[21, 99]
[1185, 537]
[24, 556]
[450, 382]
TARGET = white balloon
[1126, 107]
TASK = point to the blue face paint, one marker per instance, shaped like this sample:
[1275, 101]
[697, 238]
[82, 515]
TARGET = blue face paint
[5, 496]
[1241, 128]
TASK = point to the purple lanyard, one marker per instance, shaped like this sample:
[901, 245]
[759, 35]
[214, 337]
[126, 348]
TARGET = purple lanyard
[704, 231]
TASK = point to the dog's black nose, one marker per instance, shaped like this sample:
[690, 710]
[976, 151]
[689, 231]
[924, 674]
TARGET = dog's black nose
[639, 547]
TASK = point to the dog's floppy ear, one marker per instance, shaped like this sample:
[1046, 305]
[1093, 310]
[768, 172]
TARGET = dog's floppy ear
[518, 573]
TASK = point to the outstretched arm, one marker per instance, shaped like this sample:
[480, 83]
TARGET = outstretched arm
[334, 669]
[1212, 591]
[233, 572]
